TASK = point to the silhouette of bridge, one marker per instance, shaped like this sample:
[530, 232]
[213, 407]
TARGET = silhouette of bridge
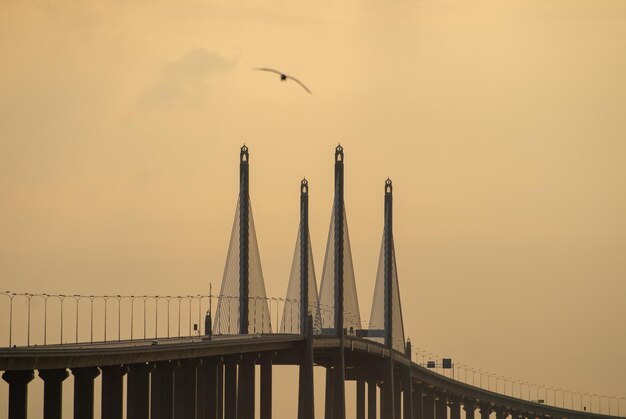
[196, 356]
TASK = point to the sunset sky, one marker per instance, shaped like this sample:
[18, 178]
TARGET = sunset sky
[501, 123]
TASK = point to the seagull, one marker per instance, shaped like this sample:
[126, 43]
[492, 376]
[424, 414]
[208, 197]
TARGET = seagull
[284, 77]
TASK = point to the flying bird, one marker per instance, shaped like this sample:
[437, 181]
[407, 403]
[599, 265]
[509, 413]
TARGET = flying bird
[284, 77]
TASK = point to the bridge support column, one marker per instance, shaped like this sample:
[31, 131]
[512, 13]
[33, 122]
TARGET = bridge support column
[266, 387]
[470, 407]
[83, 391]
[53, 392]
[360, 399]
[207, 394]
[429, 403]
[371, 399]
[388, 399]
[441, 406]
[185, 389]
[418, 401]
[230, 389]
[138, 391]
[408, 396]
[18, 392]
[485, 411]
[501, 413]
[306, 392]
[113, 391]
[455, 407]
[339, 383]
[328, 402]
[162, 390]
[246, 381]
[220, 391]
[397, 395]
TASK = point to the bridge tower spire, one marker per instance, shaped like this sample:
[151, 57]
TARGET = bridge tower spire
[242, 283]
[244, 235]
[301, 300]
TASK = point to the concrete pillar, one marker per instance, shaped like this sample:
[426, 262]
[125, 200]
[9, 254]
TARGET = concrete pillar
[397, 395]
[266, 387]
[162, 390]
[429, 403]
[138, 391]
[306, 390]
[408, 396]
[18, 392]
[470, 407]
[371, 399]
[207, 393]
[339, 381]
[83, 391]
[501, 413]
[388, 400]
[441, 406]
[220, 391]
[230, 389]
[360, 399]
[485, 411]
[53, 392]
[246, 384]
[328, 403]
[185, 389]
[455, 407]
[418, 401]
[113, 391]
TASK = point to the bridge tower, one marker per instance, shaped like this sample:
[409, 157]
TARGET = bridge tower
[301, 299]
[339, 305]
[242, 303]
[386, 316]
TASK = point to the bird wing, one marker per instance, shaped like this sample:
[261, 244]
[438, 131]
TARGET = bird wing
[271, 70]
[300, 83]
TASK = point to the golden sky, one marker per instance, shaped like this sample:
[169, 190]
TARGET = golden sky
[501, 124]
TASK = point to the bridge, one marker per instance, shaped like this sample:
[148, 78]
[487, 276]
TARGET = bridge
[198, 356]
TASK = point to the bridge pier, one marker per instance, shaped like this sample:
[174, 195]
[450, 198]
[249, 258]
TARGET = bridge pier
[470, 407]
[83, 391]
[328, 402]
[207, 392]
[185, 389]
[18, 392]
[501, 413]
[230, 389]
[360, 399]
[113, 391]
[429, 403]
[441, 405]
[408, 395]
[53, 392]
[162, 390]
[246, 381]
[388, 402]
[306, 390]
[485, 411]
[397, 395]
[220, 390]
[371, 399]
[455, 406]
[266, 386]
[418, 401]
[138, 391]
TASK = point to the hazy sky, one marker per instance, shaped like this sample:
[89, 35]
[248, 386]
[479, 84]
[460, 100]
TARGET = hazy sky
[502, 124]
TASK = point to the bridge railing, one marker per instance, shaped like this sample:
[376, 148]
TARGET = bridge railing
[35, 319]
[522, 389]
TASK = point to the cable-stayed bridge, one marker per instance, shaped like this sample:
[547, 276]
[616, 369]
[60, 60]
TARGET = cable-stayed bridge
[197, 356]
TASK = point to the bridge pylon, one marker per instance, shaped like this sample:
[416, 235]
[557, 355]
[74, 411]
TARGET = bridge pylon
[242, 303]
[302, 299]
